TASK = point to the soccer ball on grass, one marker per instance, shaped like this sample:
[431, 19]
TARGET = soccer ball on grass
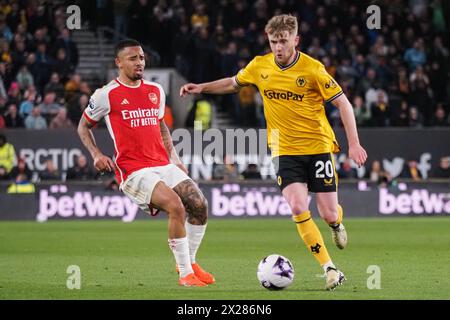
[275, 272]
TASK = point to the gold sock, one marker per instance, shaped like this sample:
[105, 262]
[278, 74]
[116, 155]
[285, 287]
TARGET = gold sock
[340, 214]
[311, 236]
[340, 217]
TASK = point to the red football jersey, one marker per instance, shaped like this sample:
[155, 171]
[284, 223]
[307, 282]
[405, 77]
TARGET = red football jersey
[132, 115]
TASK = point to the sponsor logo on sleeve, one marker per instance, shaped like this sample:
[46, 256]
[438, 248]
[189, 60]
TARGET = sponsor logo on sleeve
[91, 104]
[331, 84]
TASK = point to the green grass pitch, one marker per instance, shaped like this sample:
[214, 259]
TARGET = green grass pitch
[133, 261]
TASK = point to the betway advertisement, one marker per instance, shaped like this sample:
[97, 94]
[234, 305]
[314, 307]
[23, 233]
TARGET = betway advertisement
[260, 199]
[414, 202]
[358, 200]
[250, 200]
[73, 202]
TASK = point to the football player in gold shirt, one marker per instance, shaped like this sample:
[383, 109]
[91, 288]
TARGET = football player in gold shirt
[294, 88]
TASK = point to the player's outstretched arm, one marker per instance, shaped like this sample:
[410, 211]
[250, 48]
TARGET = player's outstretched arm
[222, 86]
[355, 151]
[168, 144]
[101, 162]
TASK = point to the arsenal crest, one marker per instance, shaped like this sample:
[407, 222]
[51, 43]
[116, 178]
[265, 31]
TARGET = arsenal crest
[153, 97]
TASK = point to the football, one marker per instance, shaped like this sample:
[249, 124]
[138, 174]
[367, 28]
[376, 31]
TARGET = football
[275, 272]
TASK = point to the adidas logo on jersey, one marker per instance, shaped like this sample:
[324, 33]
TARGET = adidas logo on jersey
[124, 101]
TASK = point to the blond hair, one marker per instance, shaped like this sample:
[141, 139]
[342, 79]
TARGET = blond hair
[280, 23]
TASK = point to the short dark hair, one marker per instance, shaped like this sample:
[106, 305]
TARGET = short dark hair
[125, 44]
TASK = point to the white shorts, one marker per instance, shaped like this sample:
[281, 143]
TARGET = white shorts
[140, 184]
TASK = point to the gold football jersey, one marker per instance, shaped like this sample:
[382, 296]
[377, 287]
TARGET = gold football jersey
[294, 97]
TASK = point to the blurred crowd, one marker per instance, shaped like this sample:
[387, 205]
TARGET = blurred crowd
[39, 86]
[228, 170]
[15, 170]
[395, 76]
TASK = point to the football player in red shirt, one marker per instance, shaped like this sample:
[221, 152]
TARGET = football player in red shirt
[146, 164]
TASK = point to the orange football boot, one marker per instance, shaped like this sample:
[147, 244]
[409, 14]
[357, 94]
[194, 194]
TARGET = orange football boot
[204, 276]
[201, 274]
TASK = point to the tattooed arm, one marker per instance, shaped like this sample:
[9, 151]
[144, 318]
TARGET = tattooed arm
[168, 144]
[101, 162]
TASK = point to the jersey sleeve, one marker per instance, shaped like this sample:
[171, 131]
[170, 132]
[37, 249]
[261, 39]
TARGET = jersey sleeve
[246, 76]
[328, 87]
[98, 107]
